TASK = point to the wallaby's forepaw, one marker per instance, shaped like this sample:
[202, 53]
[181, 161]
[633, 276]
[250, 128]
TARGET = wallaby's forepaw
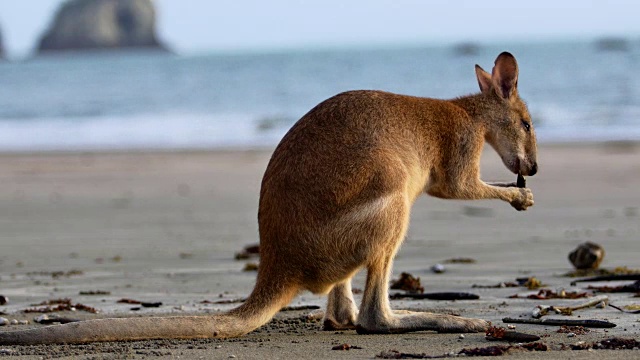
[524, 199]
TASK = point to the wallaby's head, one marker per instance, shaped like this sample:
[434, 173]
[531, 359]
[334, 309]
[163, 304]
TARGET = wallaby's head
[510, 130]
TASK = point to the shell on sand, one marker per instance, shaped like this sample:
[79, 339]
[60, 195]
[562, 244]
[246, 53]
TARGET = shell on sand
[587, 255]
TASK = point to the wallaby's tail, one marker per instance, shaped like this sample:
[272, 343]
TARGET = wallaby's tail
[262, 304]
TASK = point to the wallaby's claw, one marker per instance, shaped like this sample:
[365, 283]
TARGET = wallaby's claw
[524, 199]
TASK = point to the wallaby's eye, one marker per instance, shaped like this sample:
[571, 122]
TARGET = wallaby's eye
[526, 125]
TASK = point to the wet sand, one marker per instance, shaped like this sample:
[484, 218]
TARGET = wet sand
[164, 227]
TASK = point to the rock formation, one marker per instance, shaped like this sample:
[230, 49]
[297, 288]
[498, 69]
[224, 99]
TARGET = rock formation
[102, 24]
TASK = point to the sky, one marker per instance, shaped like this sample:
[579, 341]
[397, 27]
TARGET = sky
[199, 26]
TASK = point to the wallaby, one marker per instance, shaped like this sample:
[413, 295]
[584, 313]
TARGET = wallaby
[336, 197]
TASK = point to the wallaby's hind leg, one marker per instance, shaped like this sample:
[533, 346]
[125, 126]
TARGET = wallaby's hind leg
[341, 309]
[376, 316]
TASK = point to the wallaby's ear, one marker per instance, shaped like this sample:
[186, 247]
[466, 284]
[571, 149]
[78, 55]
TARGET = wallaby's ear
[484, 79]
[505, 75]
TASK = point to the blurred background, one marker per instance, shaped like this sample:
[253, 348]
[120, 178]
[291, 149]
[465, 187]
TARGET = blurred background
[164, 74]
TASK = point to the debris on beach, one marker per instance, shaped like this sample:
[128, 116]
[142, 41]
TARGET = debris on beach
[546, 294]
[4, 300]
[633, 288]
[4, 321]
[438, 269]
[95, 292]
[541, 311]
[128, 301]
[151, 304]
[497, 286]
[502, 349]
[610, 277]
[436, 296]
[345, 347]
[629, 309]
[250, 266]
[56, 274]
[603, 324]
[407, 282]
[249, 251]
[576, 330]
[141, 303]
[617, 344]
[395, 354]
[59, 305]
[497, 333]
[531, 283]
[608, 344]
[597, 273]
[587, 255]
[460, 260]
[226, 301]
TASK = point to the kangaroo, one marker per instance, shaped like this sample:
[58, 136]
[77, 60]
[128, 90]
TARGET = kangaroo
[336, 197]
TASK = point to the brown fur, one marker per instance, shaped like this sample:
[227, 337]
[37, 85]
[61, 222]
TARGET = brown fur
[336, 198]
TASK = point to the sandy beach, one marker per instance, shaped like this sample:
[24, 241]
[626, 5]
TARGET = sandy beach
[165, 226]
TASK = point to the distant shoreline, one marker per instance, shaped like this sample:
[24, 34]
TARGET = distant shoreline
[612, 145]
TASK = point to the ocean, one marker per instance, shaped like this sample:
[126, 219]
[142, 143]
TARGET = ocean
[576, 91]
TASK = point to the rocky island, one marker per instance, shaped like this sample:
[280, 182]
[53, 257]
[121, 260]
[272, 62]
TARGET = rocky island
[102, 24]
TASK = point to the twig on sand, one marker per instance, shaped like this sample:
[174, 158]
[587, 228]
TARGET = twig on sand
[541, 311]
[608, 278]
[559, 322]
[437, 296]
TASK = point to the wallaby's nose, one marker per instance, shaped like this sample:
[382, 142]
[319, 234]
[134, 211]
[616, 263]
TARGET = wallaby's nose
[534, 169]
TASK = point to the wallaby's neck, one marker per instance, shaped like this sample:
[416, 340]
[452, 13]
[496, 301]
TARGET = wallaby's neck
[481, 109]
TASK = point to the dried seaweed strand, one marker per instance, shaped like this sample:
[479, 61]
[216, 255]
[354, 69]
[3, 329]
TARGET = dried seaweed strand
[437, 296]
[559, 322]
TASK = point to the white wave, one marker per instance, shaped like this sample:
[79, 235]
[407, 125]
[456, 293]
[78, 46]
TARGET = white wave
[165, 131]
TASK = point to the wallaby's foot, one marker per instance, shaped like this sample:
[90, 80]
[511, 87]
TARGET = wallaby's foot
[341, 311]
[523, 199]
[460, 324]
[417, 321]
[332, 325]
[468, 324]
